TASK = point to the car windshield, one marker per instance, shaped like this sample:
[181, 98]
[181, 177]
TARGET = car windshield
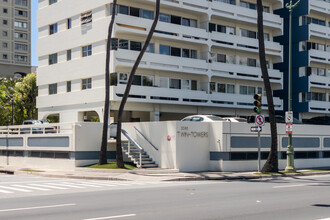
[215, 118]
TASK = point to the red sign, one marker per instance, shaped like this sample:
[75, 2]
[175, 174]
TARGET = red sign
[168, 137]
[288, 128]
[260, 120]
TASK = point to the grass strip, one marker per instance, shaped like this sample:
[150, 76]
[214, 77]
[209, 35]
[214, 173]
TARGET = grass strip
[111, 165]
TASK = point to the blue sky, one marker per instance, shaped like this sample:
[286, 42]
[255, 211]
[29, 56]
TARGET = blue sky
[34, 32]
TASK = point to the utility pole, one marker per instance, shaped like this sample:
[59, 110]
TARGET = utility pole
[290, 150]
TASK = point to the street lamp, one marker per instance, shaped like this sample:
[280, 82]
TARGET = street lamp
[290, 151]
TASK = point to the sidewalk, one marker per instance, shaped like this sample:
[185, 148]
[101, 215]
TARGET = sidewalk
[150, 175]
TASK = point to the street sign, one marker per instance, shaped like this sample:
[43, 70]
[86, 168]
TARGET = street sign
[260, 120]
[288, 128]
[256, 129]
[289, 117]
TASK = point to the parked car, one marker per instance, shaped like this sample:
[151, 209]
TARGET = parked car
[37, 130]
[203, 118]
[319, 120]
[235, 119]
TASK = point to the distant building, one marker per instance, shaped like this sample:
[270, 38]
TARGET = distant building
[15, 37]
[310, 58]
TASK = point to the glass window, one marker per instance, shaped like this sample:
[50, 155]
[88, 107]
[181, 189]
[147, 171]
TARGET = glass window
[151, 48]
[243, 90]
[52, 29]
[52, 89]
[165, 18]
[193, 54]
[221, 87]
[212, 27]
[185, 83]
[52, 2]
[221, 58]
[123, 9]
[193, 23]
[86, 83]
[135, 45]
[175, 52]
[147, 80]
[163, 82]
[186, 22]
[175, 20]
[251, 90]
[175, 83]
[251, 62]
[5, 56]
[147, 14]
[69, 23]
[134, 12]
[212, 86]
[68, 86]
[193, 84]
[114, 44]
[230, 88]
[123, 78]
[123, 44]
[68, 55]
[52, 59]
[87, 51]
[186, 53]
[164, 49]
[137, 80]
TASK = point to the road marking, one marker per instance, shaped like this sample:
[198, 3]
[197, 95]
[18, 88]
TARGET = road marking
[31, 187]
[45, 185]
[37, 207]
[5, 191]
[112, 217]
[298, 185]
[15, 189]
[324, 219]
[67, 185]
[82, 184]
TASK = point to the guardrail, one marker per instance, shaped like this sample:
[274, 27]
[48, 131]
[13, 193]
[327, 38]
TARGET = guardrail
[138, 147]
[36, 129]
[146, 138]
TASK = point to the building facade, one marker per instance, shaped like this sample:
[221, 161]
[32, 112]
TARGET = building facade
[203, 58]
[311, 58]
[15, 37]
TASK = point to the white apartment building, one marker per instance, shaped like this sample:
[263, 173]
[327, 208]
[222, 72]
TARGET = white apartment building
[203, 58]
[15, 37]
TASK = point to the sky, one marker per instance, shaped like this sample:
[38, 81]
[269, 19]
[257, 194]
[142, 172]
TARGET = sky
[34, 32]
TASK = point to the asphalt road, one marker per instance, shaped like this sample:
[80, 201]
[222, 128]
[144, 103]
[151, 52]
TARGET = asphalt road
[34, 198]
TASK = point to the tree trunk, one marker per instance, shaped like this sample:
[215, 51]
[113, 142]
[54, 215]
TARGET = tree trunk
[271, 164]
[119, 154]
[103, 152]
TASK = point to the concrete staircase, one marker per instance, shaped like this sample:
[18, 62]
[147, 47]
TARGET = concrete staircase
[136, 153]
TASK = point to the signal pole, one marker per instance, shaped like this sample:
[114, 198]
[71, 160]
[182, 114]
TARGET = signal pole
[290, 150]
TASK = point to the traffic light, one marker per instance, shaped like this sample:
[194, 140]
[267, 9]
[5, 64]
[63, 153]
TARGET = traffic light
[257, 103]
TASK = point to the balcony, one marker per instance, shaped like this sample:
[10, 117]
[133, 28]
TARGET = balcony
[319, 56]
[160, 95]
[241, 101]
[244, 72]
[126, 58]
[272, 48]
[319, 82]
[319, 31]
[319, 107]
[320, 7]
[239, 13]
[128, 24]
[191, 4]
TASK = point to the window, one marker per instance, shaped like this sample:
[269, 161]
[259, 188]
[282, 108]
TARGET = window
[21, 13]
[21, 2]
[5, 33]
[4, 56]
[163, 49]
[175, 83]
[147, 80]
[68, 86]
[68, 55]
[317, 96]
[5, 10]
[134, 45]
[86, 83]
[52, 89]
[5, 22]
[251, 62]
[4, 45]
[21, 47]
[86, 18]
[249, 34]
[19, 24]
[165, 18]
[52, 2]
[20, 58]
[52, 59]
[221, 58]
[123, 10]
[175, 19]
[52, 29]
[147, 14]
[225, 88]
[248, 5]
[134, 12]
[175, 52]
[22, 36]
[69, 23]
[151, 48]
[86, 51]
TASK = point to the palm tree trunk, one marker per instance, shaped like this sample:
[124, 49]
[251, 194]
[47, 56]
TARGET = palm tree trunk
[271, 164]
[119, 154]
[103, 152]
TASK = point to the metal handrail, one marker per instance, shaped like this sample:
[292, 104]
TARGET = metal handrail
[146, 138]
[140, 149]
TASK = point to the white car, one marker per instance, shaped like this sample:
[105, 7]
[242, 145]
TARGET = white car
[235, 119]
[203, 118]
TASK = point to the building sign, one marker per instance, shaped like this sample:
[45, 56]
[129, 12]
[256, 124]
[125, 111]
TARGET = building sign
[184, 132]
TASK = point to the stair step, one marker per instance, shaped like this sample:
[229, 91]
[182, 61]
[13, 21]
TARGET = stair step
[149, 165]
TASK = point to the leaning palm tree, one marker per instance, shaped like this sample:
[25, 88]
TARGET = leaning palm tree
[271, 164]
[119, 154]
[103, 151]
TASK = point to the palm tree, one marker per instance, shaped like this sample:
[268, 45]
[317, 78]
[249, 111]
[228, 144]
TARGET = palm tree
[103, 151]
[271, 164]
[119, 154]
